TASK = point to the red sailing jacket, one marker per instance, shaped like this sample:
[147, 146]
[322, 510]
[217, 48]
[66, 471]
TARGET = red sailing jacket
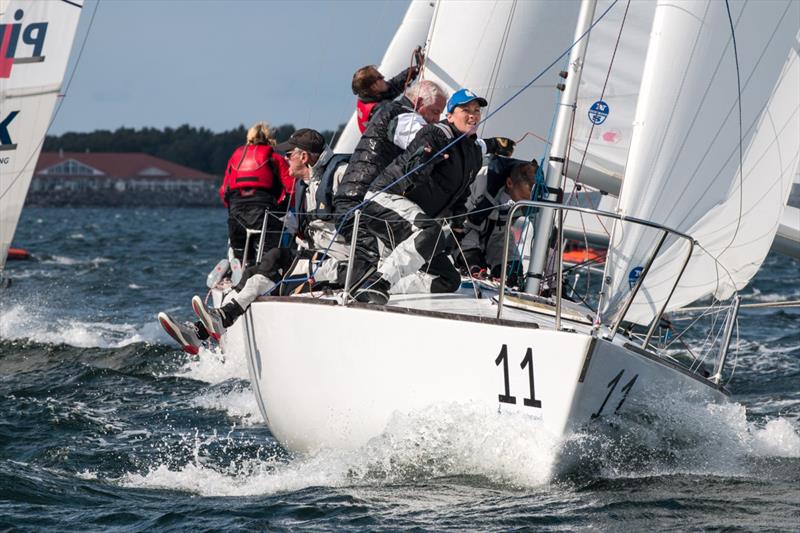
[363, 112]
[254, 167]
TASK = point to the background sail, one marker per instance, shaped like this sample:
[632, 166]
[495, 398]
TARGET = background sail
[683, 170]
[411, 33]
[35, 43]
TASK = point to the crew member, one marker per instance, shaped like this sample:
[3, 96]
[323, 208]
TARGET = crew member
[372, 89]
[256, 180]
[307, 155]
[392, 129]
[486, 226]
[403, 212]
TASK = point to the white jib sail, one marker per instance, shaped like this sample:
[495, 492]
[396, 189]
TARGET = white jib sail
[494, 48]
[622, 36]
[683, 170]
[35, 43]
[411, 33]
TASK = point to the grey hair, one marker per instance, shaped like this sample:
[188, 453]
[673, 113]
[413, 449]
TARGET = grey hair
[427, 91]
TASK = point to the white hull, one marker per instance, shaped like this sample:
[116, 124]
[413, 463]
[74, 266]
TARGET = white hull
[327, 376]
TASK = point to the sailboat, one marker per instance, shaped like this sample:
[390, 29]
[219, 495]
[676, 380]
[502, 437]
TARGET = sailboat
[708, 152]
[35, 43]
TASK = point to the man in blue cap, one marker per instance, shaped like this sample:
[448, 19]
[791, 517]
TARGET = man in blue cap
[405, 204]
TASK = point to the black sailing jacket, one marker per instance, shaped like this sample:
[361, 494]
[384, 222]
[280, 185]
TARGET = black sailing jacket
[441, 187]
[373, 152]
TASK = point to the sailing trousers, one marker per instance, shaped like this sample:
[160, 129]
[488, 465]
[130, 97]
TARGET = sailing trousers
[306, 269]
[243, 217]
[417, 244]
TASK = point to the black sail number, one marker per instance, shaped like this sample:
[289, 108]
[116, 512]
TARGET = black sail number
[503, 357]
[527, 362]
[612, 385]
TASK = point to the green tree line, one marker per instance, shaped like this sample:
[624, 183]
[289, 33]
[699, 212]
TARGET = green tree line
[197, 148]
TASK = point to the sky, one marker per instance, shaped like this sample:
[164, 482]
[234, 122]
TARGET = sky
[222, 63]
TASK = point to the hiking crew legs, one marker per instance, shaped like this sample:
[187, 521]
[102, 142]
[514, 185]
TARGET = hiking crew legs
[416, 242]
[242, 217]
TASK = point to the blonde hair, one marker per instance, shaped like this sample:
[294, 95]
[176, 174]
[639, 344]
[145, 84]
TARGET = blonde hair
[259, 133]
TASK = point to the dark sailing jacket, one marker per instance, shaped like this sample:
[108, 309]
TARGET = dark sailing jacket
[441, 187]
[368, 107]
[373, 152]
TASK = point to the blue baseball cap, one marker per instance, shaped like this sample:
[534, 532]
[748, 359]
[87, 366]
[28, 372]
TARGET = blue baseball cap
[464, 96]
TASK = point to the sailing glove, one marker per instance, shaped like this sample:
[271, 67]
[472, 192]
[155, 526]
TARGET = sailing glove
[500, 146]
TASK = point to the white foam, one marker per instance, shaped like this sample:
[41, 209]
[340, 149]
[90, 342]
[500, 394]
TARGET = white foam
[508, 449]
[212, 366]
[458, 440]
[70, 261]
[789, 292]
[239, 404]
[61, 260]
[778, 438]
[19, 322]
[249, 478]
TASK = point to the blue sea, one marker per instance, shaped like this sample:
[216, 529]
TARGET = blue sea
[106, 425]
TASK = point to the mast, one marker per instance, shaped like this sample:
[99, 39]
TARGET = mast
[558, 151]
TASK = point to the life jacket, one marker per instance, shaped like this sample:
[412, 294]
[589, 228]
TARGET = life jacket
[252, 167]
[363, 112]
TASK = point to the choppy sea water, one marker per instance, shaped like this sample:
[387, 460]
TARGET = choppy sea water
[104, 424]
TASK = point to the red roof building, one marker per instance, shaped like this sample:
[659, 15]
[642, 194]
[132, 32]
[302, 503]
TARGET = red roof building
[112, 179]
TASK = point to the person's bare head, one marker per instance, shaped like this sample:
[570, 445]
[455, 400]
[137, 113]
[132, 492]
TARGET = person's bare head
[368, 82]
[519, 183]
[428, 99]
[259, 133]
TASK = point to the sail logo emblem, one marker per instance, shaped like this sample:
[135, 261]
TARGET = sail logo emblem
[634, 276]
[598, 112]
[5, 138]
[18, 40]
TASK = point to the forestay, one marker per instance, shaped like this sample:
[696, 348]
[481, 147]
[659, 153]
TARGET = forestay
[35, 43]
[683, 169]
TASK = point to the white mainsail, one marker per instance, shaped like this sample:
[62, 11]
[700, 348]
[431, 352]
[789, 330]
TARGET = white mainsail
[35, 43]
[683, 169]
[410, 34]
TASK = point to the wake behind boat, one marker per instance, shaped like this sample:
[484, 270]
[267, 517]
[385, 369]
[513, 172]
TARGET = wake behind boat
[696, 217]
